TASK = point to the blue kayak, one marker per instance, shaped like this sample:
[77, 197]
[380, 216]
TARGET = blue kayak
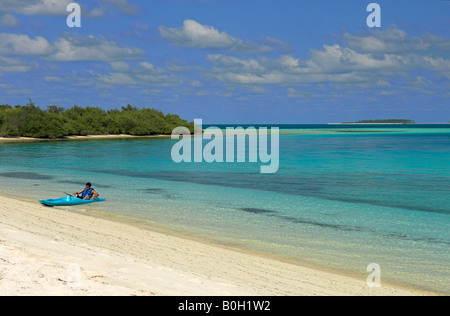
[69, 201]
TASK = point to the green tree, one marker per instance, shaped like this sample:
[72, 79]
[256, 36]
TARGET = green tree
[55, 122]
[55, 109]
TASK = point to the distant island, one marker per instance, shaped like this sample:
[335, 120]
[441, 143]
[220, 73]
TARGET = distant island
[57, 122]
[384, 121]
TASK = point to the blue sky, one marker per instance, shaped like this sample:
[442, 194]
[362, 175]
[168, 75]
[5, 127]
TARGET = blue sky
[232, 61]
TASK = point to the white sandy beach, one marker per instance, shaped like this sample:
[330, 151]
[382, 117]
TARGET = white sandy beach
[89, 137]
[38, 244]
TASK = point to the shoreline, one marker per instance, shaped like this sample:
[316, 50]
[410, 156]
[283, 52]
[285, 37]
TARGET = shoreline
[117, 257]
[288, 132]
[69, 138]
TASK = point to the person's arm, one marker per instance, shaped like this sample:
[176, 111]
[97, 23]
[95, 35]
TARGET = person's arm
[95, 195]
[79, 192]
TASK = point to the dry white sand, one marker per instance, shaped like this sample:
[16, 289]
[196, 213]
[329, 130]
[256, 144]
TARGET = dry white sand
[90, 137]
[38, 245]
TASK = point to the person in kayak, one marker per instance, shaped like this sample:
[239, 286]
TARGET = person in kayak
[88, 193]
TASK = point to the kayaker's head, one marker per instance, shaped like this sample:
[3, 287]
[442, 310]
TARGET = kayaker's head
[88, 185]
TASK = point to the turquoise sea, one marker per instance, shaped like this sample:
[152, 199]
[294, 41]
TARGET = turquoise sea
[345, 196]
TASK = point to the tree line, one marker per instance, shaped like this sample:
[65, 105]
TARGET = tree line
[57, 122]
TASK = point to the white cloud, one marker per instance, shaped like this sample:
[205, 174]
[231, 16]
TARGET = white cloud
[91, 48]
[23, 45]
[120, 66]
[196, 84]
[74, 78]
[5, 86]
[45, 8]
[341, 59]
[421, 84]
[293, 93]
[440, 65]
[66, 49]
[151, 92]
[365, 61]
[54, 79]
[145, 74]
[392, 40]
[9, 20]
[35, 7]
[196, 35]
[124, 6]
[286, 70]
[15, 65]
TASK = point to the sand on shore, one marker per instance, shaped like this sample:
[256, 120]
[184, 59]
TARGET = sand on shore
[52, 251]
[6, 140]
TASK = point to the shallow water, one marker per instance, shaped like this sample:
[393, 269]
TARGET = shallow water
[343, 197]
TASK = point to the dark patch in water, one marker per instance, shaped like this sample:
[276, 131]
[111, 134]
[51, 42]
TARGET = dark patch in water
[295, 220]
[350, 188]
[396, 235]
[25, 175]
[153, 191]
[427, 240]
[81, 183]
[322, 225]
[161, 192]
[309, 185]
[257, 211]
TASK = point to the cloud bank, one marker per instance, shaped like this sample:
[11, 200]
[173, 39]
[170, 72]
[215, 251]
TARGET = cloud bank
[364, 59]
[196, 35]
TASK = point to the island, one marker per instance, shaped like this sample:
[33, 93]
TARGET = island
[56, 122]
[383, 121]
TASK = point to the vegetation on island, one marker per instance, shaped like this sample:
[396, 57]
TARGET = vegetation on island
[57, 122]
[384, 121]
